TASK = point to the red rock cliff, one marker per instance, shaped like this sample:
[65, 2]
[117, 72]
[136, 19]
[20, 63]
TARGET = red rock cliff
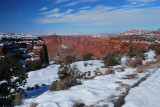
[82, 44]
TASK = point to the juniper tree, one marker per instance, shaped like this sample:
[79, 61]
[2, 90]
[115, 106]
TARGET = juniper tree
[12, 77]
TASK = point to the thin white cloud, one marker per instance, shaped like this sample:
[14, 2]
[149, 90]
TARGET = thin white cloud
[134, 5]
[86, 7]
[80, 1]
[43, 8]
[103, 15]
[69, 11]
[59, 14]
[61, 1]
[72, 3]
[52, 11]
[138, 3]
[147, 1]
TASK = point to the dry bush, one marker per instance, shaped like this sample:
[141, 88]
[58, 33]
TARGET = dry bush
[17, 100]
[78, 104]
[65, 83]
[109, 71]
[130, 76]
[68, 76]
[147, 63]
[141, 69]
[33, 104]
[135, 63]
[123, 85]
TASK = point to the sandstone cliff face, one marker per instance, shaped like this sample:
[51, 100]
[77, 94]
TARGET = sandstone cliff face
[53, 43]
[158, 31]
[80, 45]
[27, 48]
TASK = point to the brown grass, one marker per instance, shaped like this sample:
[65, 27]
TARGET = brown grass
[109, 71]
[123, 85]
[130, 76]
[142, 69]
[135, 63]
[65, 83]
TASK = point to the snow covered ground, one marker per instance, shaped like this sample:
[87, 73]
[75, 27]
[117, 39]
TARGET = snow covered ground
[101, 90]
[147, 94]
[98, 91]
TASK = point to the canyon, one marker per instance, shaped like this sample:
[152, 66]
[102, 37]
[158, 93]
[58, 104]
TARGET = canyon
[51, 47]
[98, 45]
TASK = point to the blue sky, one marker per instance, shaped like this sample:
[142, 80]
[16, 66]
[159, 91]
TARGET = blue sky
[78, 16]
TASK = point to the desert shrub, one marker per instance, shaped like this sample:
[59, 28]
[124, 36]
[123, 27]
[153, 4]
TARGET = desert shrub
[87, 56]
[109, 71]
[12, 77]
[68, 77]
[135, 62]
[78, 104]
[64, 84]
[131, 51]
[137, 52]
[141, 69]
[123, 85]
[140, 53]
[34, 65]
[155, 47]
[130, 76]
[111, 59]
[67, 70]
[69, 59]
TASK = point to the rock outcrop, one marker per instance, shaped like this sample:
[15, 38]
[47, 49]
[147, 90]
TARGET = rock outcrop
[25, 47]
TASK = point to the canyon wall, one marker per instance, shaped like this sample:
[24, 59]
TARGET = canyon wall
[79, 45]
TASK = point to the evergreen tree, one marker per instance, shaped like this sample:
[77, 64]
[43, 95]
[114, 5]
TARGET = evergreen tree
[12, 77]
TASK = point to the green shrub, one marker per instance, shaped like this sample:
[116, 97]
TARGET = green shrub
[67, 70]
[155, 47]
[68, 77]
[136, 52]
[111, 59]
[34, 65]
[69, 59]
[87, 56]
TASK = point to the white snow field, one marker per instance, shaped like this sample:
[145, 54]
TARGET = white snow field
[97, 91]
[100, 91]
[147, 94]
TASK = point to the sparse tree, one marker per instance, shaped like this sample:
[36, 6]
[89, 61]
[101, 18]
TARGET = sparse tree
[12, 77]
